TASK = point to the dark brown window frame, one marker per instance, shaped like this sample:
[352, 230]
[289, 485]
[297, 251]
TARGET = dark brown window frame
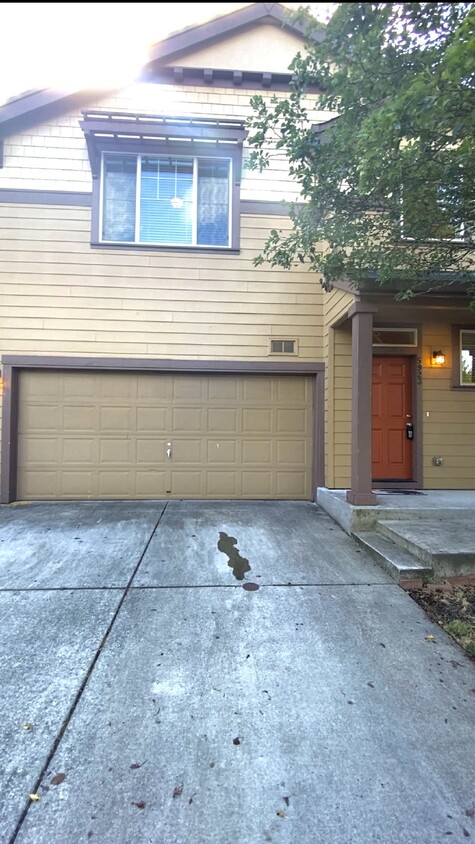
[138, 134]
[456, 369]
[13, 365]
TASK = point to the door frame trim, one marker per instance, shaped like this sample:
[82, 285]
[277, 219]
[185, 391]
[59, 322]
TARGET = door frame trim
[12, 365]
[416, 371]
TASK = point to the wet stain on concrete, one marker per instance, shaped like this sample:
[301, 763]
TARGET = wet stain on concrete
[239, 565]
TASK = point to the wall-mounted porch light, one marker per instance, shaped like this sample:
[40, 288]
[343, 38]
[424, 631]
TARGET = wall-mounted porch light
[438, 358]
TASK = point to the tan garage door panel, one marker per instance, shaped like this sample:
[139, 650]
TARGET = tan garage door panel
[107, 435]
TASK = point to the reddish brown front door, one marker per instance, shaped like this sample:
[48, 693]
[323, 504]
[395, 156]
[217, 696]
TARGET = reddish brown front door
[392, 413]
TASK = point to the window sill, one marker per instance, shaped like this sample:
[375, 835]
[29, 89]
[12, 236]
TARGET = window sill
[469, 388]
[153, 247]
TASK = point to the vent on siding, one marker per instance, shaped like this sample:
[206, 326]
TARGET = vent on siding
[283, 347]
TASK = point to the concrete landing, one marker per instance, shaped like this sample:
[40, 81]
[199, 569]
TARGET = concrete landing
[430, 504]
[424, 536]
[447, 546]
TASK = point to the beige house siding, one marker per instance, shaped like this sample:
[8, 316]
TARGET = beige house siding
[53, 155]
[337, 351]
[265, 48]
[59, 296]
[448, 415]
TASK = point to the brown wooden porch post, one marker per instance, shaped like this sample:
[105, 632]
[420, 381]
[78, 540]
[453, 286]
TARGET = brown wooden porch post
[361, 314]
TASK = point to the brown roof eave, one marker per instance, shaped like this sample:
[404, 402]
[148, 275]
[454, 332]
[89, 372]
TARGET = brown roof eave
[199, 36]
[43, 105]
[32, 107]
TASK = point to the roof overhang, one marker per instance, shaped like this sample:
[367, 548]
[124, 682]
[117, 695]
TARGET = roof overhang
[21, 112]
[163, 64]
[198, 37]
[434, 284]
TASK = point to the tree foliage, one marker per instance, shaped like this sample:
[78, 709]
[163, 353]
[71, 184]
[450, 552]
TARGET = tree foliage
[388, 186]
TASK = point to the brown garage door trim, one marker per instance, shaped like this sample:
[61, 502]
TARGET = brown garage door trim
[12, 366]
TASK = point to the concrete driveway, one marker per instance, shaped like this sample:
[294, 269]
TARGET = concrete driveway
[221, 673]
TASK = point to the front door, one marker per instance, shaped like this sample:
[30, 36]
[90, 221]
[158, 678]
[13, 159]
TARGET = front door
[392, 419]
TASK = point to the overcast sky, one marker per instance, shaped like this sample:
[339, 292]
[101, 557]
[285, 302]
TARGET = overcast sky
[78, 44]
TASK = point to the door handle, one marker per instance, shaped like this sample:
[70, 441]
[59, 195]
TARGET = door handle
[169, 451]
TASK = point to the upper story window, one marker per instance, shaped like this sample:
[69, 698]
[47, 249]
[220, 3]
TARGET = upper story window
[169, 182]
[429, 214]
[162, 200]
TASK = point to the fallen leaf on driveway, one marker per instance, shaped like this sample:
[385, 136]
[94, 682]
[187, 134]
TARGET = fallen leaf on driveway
[58, 779]
[430, 638]
[470, 813]
[140, 804]
[236, 741]
[34, 797]
[280, 814]
[178, 790]
[465, 832]
[27, 726]
[136, 765]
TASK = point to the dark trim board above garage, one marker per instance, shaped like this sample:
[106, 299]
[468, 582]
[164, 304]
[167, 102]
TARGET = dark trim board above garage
[164, 365]
[13, 365]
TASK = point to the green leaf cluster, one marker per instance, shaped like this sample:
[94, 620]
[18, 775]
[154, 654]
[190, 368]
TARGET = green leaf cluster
[388, 185]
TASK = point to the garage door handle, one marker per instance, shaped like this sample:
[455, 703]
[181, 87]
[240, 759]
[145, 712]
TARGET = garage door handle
[169, 451]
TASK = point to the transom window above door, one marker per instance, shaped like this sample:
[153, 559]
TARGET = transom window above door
[395, 336]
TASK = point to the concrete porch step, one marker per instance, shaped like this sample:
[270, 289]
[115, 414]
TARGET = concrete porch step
[447, 546]
[397, 562]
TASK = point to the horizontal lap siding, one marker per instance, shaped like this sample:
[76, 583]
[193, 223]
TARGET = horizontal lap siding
[59, 296]
[337, 345]
[448, 415]
[53, 155]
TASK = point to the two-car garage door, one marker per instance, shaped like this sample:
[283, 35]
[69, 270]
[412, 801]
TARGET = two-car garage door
[129, 435]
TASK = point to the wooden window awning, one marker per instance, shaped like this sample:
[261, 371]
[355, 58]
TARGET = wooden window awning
[109, 130]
